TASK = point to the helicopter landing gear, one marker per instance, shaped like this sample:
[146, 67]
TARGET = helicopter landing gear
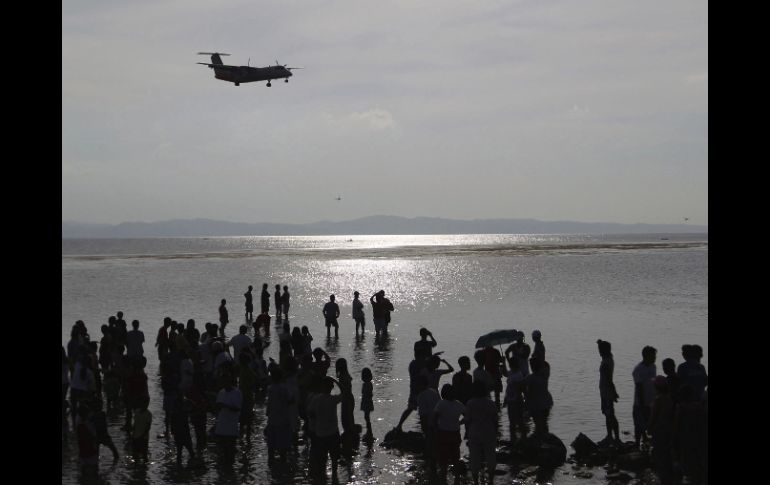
[237, 84]
[286, 80]
[268, 84]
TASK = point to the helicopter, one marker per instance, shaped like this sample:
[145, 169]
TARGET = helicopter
[245, 74]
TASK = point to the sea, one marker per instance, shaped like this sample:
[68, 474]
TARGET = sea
[630, 289]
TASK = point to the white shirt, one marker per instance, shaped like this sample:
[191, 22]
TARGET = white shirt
[227, 419]
[239, 342]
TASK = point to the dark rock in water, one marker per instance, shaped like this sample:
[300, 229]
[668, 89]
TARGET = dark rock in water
[545, 450]
[584, 446]
[404, 440]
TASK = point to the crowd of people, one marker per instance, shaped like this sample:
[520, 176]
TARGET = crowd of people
[204, 373]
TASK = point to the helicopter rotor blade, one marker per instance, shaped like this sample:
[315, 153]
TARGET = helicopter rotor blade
[212, 53]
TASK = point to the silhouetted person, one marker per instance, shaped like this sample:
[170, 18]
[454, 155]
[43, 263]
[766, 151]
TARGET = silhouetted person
[690, 422]
[433, 373]
[285, 302]
[88, 444]
[265, 299]
[348, 403]
[673, 381]
[229, 402]
[100, 424]
[180, 428]
[358, 312]
[249, 304]
[427, 398]
[480, 373]
[462, 381]
[691, 371]
[661, 427]
[539, 352]
[425, 346]
[415, 376]
[644, 392]
[522, 352]
[492, 362]
[538, 399]
[322, 411]
[481, 424]
[277, 299]
[607, 392]
[240, 342]
[224, 318]
[381, 308]
[446, 419]
[367, 398]
[331, 312]
[278, 430]
[514, 399]
[140, 433]
[161, 342]
[135, 342]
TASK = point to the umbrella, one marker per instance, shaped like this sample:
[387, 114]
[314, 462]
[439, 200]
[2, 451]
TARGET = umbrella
[498, 337]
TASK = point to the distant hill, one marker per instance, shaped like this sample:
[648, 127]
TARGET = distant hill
[362, 226]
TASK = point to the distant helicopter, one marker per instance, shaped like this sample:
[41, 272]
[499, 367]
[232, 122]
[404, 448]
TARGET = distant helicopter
[245, 74]
[338, 198]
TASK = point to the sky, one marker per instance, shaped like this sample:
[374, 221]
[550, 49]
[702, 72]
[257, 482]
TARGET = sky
[593, 111]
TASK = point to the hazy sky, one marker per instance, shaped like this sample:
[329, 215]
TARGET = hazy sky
[555, 110]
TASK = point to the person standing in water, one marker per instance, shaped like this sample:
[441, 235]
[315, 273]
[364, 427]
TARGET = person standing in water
[277, 300]
[644, 392]
[381, 308]
[331, 312]
[249, 304]
[285, 302]
[367, 398]
[224, 319]
[607, 392]
[358, 312]
[265, 299]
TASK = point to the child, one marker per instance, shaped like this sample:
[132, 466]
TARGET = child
[367, 402]
[140, 434]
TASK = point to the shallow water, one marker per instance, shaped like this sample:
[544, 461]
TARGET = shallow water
[631, 290]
